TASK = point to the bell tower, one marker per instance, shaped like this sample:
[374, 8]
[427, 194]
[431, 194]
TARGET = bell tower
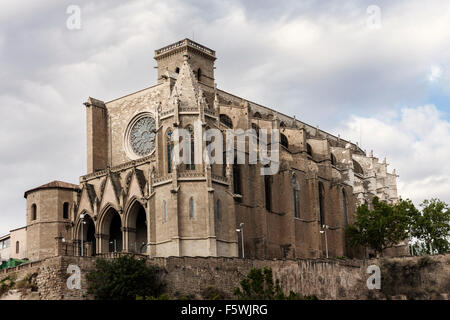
[201, 60]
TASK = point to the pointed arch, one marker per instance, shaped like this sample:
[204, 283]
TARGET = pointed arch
[86, 235]
[136, 224]
[110, 226]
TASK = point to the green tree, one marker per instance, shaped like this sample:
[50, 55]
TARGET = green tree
[432, 226]
[124, 278]
[383, 227]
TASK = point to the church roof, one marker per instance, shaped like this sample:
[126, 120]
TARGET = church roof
[54, 185]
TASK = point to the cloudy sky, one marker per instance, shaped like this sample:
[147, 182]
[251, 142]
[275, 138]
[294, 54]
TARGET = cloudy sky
[376, 72]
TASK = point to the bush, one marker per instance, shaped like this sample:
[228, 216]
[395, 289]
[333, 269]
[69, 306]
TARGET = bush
[124, 278]
[6, 284]
[28, 282]
[259, 285]
[213, 293]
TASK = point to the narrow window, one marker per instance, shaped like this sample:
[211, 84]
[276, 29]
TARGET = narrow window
[190, 144]
[177, 70]
[33, 212]
[237, 179]
[333, 160]
[164, 211]
[295, 204]
[169, 151]
[321, 204]
[268, 192]
[66, 210]
[309, 150]
[218, 210]
[17, 247]
[284, 141]
[295, 189]
[256, 128]
[199, 74]
[191, 207]
[344, 207]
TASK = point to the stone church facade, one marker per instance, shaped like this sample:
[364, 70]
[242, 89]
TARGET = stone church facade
[134, 198]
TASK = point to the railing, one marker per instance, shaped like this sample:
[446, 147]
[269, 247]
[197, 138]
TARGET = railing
[185, 42]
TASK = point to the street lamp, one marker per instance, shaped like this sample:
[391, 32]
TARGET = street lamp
[82, 233]
[324, 231]
[241, 230]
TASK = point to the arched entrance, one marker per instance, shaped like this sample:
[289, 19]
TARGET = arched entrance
[112, 231]
[86, 234]
[137, 229]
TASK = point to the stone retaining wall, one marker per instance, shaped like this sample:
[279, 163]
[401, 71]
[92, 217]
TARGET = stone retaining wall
[406, 277]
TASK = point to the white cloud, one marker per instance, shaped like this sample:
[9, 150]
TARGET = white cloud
[416, 142]
[435, 74]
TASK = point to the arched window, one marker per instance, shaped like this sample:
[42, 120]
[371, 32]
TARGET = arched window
[66, 210]
[191, 145]
[33, 212]
[333, 159]
[284, 141]
[218, 216]
[357, 167]
[226, 121]
[268, 191]
[177, 70]
[191, 207]
[321, 204]
[169, 151]
[257, 115]
[17, 247]
[164, 211]
[199, 74]
[309, 150]
[344, 207]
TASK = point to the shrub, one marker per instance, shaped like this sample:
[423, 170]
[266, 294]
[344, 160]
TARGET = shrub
[28, 282]
[213, 293]
[6, 284]
[124, 278]
[259, 285]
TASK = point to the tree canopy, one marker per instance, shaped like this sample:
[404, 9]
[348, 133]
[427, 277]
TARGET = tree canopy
[383, 227]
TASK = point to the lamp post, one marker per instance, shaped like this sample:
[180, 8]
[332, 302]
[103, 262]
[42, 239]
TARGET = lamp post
[82, 232]
[241, 230]
[324, 231]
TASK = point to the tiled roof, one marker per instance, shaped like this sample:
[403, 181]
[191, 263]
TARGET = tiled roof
[54, 185]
